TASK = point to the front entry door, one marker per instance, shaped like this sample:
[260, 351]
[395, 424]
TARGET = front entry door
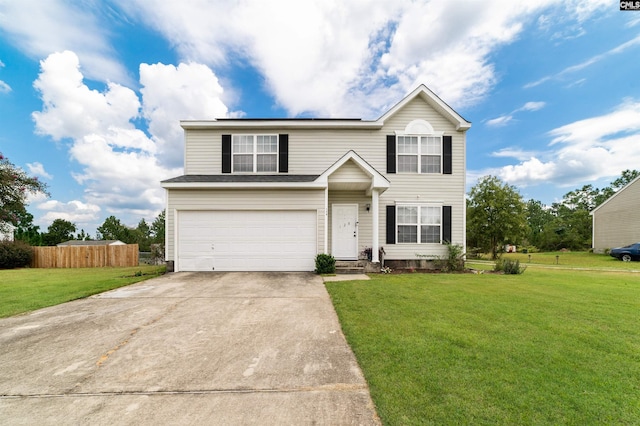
[344, 234]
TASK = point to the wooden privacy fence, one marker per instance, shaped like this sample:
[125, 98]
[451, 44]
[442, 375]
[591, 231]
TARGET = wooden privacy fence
[85, 256]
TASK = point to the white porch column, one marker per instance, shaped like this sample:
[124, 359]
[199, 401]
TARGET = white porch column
[375, 223]
[326, 220]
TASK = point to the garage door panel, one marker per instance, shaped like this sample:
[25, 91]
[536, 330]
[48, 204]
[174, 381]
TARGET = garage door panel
[247, 240]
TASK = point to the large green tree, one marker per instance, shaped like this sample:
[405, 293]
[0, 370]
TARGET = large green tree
[157, 229]
[15, 186]
[58, 232]
[113, 229]
[538, 215]
[495, 215]
[26, 231]
[143, 235]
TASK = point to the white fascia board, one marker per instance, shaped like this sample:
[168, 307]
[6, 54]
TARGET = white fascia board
[378, 181]
[432, 99]
[244, 185]
[279, 124]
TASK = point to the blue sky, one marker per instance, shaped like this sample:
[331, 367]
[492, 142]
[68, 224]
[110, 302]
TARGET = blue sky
[91, 92]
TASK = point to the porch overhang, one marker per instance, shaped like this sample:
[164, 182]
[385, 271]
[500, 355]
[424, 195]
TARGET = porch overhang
[374, 180]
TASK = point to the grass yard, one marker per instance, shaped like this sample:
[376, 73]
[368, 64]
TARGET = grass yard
[545, 347]
[23, 290]
[578, 259]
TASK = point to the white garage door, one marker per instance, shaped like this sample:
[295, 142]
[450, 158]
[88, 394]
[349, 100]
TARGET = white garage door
[246, 240]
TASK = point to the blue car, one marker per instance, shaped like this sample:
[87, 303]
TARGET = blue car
[627, 253]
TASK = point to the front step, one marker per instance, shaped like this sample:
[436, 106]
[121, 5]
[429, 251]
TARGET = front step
[351, 266]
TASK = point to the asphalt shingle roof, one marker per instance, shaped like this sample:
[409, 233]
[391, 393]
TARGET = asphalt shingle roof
[241, 178]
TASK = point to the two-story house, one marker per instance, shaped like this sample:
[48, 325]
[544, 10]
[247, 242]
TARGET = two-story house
[270, 194]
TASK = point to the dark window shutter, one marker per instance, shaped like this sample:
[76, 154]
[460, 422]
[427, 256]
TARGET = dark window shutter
[446, 224]
[283, 153]
[226, 153]
[446, 155]
[391, 154]
[391, 224]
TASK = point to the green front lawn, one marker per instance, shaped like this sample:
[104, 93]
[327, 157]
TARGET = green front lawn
[574, 259]
[545, 347]
[23, 290]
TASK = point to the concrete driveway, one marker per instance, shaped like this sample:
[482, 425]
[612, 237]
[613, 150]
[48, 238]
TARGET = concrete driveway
[185, 348]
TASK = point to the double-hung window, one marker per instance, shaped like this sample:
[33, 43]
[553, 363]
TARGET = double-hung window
[254, 153]
[419, 224]
[419, 154]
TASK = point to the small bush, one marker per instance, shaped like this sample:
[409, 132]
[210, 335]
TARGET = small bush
[325, 264]
[15, 254]
[454, 261]
[509, 267]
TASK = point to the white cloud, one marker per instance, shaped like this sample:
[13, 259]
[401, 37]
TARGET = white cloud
[326, 58]
[532, 106]
[514, 153]
[38, 170]
[319, 57]
[71, 109]
[503, 120]
[4, 87]
[603, 129]
[169, 93]
[586, 150]
[586, 63]
[634, 19]
[41, 27]
[121, 165]
[82, 214]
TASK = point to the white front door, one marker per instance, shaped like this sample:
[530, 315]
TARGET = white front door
[344, 234]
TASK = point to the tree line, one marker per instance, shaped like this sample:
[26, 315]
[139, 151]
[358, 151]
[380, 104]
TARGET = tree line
[498, 215]
[61, 230]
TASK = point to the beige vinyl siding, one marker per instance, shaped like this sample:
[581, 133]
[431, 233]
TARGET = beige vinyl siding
[615, 223]
[432, 191]
[189, 199]
[418, 109]
[203, 154]
[349, 174]
[313, 151]
[446, 190]
[364, 216]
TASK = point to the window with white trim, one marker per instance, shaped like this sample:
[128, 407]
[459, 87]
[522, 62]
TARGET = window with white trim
[419, 154]
[417, 224]
[254, 153]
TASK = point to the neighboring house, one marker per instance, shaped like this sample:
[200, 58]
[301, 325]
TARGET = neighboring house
[616, 221]
[91, 243]
[270, 194]
[6, 232]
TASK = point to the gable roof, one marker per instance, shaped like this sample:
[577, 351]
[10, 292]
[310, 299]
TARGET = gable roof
[378, 181]
[624, 188]
[435, 102]
[422, 91]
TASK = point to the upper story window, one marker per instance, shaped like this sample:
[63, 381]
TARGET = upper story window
[419, 154]
[420, 149]
[254, 153]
